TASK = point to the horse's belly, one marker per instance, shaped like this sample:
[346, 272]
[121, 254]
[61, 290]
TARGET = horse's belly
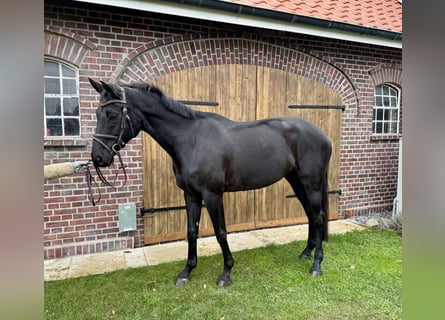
[250, 184]
[257, 173]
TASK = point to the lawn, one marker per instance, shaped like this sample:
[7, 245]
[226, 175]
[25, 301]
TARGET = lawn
[362, 280]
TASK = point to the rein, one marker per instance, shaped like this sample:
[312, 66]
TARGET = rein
[117, 146]
[91, 182]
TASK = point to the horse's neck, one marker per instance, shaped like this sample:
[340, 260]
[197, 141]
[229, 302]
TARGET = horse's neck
[163, 126]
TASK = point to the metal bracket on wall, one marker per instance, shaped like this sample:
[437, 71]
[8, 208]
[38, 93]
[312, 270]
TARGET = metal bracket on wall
[329, 192]
[152, 211]
[304, 106]
[200, 103]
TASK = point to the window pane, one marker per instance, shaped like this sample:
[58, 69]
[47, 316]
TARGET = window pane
[52, 85]
[386, 90]
[54, 127]
[394, 102]
[52, 106]
[69, 86]
[386, 102]
[51, 69]
[386, 115]
[70, 107]
[378, 101]
[379, 114]
[378, 127]
[71, 127]
[385, 127]
[394, 127]
[378, 90]
[394, 115]
[68, 72]
[392, 91]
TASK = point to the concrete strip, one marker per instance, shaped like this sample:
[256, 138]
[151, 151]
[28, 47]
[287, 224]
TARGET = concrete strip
[135, 258]
[243, 241]
[281, 235]
[167, 252]
[97, 263]
[343, 226]
[56, 269]
[209, 246]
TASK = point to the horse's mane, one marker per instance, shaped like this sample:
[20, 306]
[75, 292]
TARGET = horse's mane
[171, 104]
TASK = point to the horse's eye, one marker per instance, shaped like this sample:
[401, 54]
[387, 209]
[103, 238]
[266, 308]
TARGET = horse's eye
[112, 114]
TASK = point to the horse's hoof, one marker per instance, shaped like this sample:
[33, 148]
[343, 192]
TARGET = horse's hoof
[316, 273]
[305, 256]
[181, 281]
[224, 283]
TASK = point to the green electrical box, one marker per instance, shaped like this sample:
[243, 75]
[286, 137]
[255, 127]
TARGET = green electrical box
[127, 217]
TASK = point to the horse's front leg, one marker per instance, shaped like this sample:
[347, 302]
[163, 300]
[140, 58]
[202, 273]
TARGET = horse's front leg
[193, 205]
[214, 205]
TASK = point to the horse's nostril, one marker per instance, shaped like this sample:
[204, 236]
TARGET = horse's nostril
[99, 160]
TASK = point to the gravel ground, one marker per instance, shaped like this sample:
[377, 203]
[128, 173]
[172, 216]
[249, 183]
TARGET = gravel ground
[383, 221]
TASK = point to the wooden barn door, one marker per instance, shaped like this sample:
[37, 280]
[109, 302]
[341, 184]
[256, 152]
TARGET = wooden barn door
[240, 92]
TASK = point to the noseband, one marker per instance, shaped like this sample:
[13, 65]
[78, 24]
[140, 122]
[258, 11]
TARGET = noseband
[119, 144]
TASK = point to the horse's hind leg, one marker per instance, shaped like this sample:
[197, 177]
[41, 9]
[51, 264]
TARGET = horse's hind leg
[309, 192]
[300, 193]
[193, 204]
[214, 205]
[315, 198]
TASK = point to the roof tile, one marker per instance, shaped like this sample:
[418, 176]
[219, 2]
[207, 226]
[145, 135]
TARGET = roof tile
[378, 14]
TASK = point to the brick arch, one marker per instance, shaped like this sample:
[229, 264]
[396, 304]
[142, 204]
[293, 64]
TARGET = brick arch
[386, 74]
[161, 57]
[64, 44]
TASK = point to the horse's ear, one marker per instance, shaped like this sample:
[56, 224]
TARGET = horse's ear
[96, 85]
[112, 88]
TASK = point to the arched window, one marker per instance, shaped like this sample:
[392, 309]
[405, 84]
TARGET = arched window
[386, 115]
[61, 103]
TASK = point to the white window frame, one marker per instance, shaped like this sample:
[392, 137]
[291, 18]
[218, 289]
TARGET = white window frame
[386, 111]
[61, 96]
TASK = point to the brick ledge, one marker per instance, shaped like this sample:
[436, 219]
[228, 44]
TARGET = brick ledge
[95, 246]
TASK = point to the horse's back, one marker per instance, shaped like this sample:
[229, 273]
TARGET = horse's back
[277, 139]
[293, 141]
[297, 132]
[264, 151]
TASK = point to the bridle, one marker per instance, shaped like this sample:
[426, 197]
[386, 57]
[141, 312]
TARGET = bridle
[119, 144]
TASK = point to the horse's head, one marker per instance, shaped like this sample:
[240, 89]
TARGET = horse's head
[114, 126]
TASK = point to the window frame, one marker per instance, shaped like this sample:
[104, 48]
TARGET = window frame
[386, 112]
[61, 95]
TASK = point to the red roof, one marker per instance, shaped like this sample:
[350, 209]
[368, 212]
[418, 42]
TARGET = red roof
[378, 14]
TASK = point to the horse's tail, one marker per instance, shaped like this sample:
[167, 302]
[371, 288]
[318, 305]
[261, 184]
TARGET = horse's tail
[325, 206]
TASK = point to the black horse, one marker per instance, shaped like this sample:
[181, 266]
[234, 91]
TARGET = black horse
[212, 155]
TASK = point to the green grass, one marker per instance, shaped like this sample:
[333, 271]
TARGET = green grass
[361, 280]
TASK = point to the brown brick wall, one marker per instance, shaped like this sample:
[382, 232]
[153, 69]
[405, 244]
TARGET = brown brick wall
[111, 44]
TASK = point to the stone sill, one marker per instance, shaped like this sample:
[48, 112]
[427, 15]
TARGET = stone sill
[385, 137]
[65, 142]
